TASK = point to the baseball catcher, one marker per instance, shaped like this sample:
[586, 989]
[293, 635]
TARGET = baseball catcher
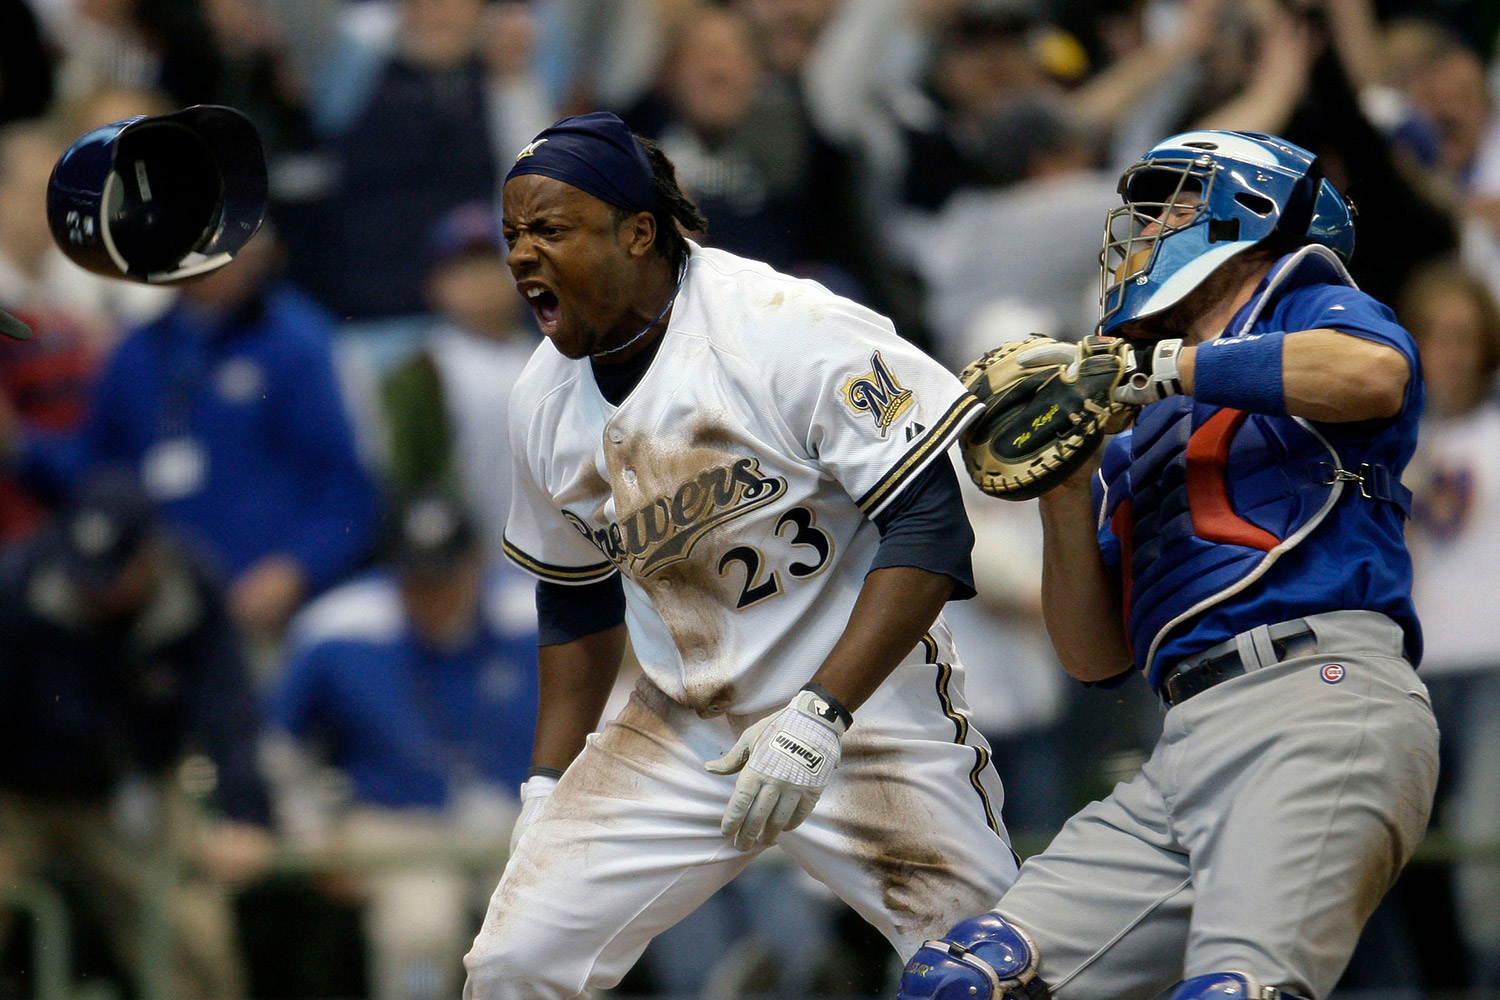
[1241, 546]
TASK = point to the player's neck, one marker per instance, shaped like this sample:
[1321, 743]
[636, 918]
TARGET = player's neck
[643, 325]
[1214, 320]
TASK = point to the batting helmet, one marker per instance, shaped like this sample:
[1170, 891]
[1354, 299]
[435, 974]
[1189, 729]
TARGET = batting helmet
[160, 198]
[1241, 187]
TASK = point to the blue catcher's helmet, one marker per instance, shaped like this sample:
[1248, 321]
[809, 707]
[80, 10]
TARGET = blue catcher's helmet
[159, 198]
[1198, 199]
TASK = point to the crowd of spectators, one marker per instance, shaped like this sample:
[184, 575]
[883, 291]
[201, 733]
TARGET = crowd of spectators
[250, 526]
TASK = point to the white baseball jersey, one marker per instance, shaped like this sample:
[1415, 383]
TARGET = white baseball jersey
[733, 487]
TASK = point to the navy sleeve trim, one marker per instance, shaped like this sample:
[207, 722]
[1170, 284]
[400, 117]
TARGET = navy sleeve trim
[567, 612]
[927, 527]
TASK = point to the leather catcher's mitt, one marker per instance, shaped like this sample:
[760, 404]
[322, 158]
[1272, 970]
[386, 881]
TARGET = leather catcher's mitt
[1047, 406]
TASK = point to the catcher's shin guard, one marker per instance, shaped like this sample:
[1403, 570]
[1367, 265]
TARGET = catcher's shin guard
[981, 958]
[1227, 986]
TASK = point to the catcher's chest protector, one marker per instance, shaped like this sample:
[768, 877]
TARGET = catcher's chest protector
[1210, 498]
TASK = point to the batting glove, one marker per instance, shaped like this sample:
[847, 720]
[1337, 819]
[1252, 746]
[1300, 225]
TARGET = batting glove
[1152, 374]
[534, 792]
[785, 761]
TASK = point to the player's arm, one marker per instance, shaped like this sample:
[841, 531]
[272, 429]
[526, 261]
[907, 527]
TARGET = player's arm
[582, 635]
[1081, 602]
[581, 640]
[1325, 375]
[896, 605]
[923, 562]
[786, 760]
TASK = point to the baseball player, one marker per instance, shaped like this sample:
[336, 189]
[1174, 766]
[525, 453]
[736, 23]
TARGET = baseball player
[746, 473]
[1242, 546]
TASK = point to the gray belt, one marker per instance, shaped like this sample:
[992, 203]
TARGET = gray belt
[1221, 662]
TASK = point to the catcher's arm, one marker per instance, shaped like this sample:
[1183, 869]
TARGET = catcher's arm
[1081, 601]
[1326, 375]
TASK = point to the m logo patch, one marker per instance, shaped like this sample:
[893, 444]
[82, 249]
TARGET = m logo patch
[877, 393]
[798, 751]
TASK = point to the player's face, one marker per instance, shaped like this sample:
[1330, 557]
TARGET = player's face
[1179, 209]
[1174, 215]
[571, 258]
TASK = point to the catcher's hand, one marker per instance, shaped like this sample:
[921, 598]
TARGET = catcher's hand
[1047, 406]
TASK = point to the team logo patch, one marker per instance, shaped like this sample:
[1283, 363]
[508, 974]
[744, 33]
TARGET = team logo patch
[1332, 673]
[530, 149]
[798, 751]
[877, 393]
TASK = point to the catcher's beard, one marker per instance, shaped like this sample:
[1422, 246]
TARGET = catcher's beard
[1182, 319]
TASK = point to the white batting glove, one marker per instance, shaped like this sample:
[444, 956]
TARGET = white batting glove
[787, 761]
[534, 792]
[1153, 376]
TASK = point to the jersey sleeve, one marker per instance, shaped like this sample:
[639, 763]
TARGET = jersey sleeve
[869, 407]
[1348, 310]
[539, 538]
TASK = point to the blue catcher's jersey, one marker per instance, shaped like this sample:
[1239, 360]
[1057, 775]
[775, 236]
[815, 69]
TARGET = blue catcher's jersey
[1221, 520]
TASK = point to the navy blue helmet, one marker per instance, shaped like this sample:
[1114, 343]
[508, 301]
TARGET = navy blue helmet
[160, 198]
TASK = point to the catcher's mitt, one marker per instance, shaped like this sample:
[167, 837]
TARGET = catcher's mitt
[1047, 406]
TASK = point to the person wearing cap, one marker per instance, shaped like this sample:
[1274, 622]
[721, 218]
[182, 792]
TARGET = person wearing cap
[120, 665]
[445, 406]
[229, 410]
[749, 473]
[415, 682]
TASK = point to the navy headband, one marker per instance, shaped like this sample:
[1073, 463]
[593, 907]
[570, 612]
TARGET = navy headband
[596, 153]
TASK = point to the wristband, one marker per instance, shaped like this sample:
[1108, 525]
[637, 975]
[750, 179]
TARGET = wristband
[840, 715]
[544, 772]
[1241, 372]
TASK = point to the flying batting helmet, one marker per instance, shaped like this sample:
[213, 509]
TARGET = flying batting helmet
[160, 198]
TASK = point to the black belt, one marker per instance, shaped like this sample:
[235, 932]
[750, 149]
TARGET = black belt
[1192, 677]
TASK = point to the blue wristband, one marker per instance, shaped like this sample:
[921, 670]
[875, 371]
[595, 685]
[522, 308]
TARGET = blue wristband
[1242, 372]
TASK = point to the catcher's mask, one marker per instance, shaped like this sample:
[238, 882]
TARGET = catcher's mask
[156, 199]
[1198, 199]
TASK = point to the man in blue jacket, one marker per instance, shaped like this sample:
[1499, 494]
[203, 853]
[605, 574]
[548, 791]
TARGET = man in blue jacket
[1242, 546]
[229, 408]
[418, 682]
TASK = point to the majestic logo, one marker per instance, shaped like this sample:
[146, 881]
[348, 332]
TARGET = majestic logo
[798, 751]
[530, 148]
[877, 393]
[664, 530]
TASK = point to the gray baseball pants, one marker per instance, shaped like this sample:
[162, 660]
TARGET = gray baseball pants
[1275, 811]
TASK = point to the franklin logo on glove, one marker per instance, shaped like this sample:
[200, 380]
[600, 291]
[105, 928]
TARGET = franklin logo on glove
[807, 757]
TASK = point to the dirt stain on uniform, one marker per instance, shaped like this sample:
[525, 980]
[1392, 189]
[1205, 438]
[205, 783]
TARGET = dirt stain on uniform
[617, 765]
[892, 837]
[691, 595]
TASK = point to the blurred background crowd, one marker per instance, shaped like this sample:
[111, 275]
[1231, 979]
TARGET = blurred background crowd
[266, 686]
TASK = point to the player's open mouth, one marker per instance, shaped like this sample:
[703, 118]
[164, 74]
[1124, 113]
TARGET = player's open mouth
[545, 307]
